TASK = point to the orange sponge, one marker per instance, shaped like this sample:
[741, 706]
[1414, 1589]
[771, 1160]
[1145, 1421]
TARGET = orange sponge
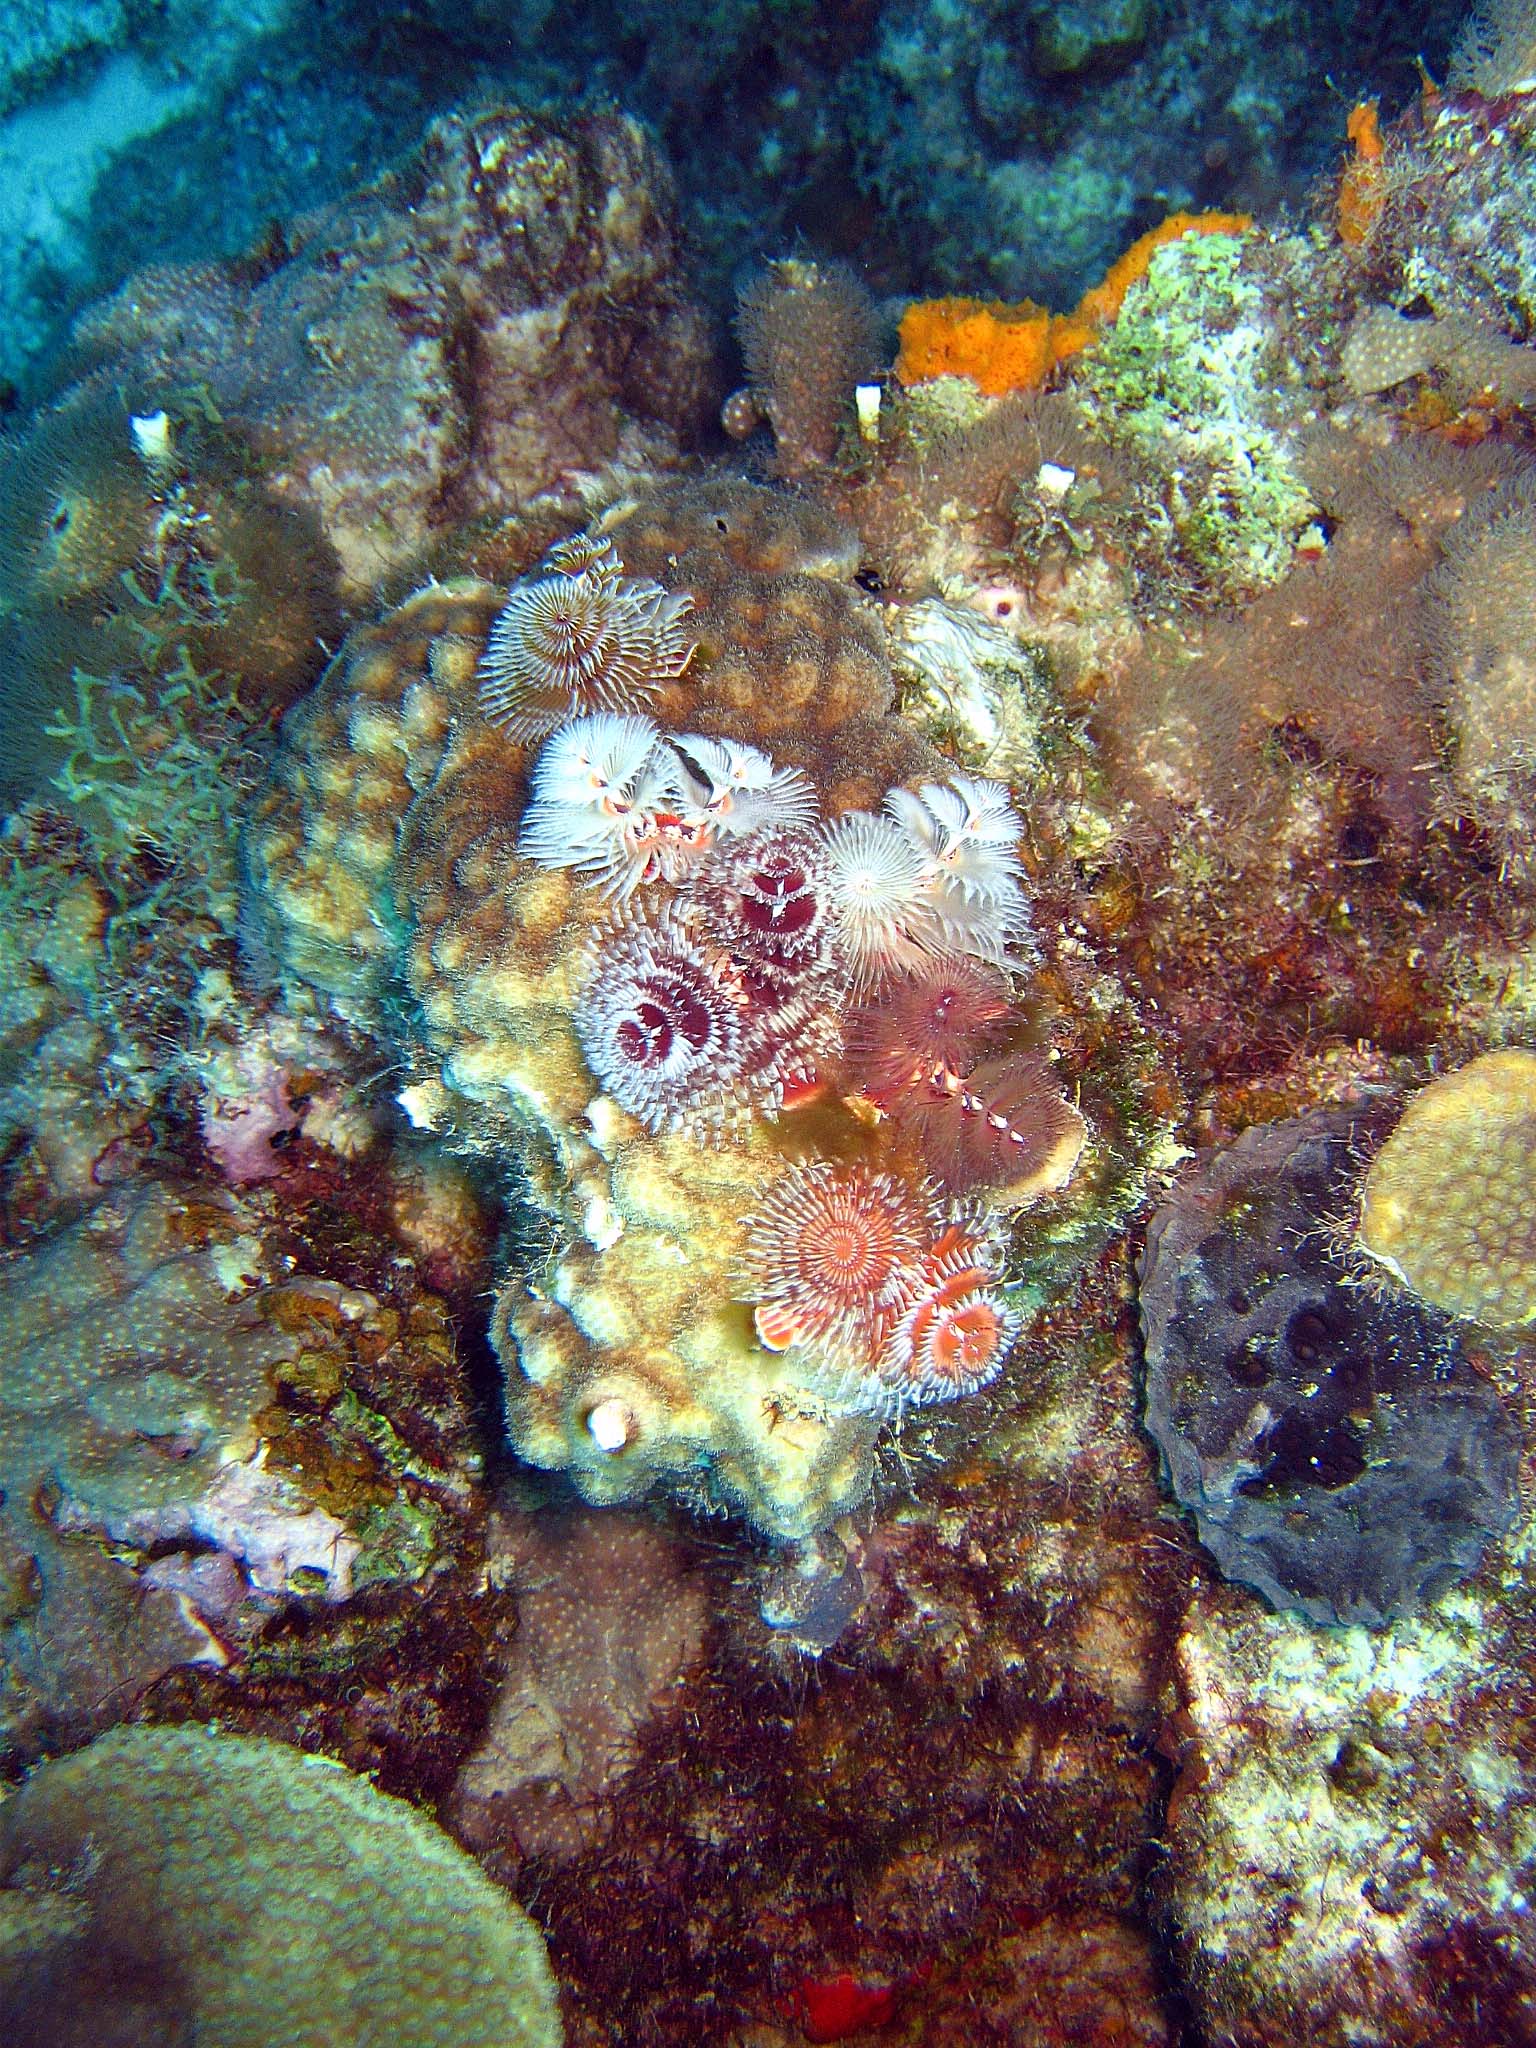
[1000, 348]
[1004, 348]
[1362, 184]
[1102, 304]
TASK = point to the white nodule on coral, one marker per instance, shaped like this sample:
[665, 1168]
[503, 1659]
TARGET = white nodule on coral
[151, 433]
[601, 1223]
[427, 1105]
[611, 1426]
[238, 1263]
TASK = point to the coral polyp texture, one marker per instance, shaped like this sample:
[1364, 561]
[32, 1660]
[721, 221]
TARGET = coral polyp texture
[1449, 1205]
[629, 948]
[171, 1883]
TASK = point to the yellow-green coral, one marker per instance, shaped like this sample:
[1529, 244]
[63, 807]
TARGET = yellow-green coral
[1449, 1203]
[170, 1883]
[1190, 375]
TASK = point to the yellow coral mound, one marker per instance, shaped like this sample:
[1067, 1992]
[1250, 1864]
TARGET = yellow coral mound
[1449, 1204]
[385, 860]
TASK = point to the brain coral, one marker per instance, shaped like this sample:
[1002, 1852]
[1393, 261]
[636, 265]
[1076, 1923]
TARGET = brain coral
[661, 1068]
[1449, 1205]
[172, 1885]
[1336, 1446]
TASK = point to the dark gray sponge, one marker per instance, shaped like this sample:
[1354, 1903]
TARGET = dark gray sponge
[1338, 1451]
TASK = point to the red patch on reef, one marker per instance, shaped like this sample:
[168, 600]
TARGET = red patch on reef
[832, 2008]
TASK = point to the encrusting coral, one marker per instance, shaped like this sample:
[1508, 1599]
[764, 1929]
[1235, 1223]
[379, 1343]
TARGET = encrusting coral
[629, 950]
[171, 1883]
[185, 1449]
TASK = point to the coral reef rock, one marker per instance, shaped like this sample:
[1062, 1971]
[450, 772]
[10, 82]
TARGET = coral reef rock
[153, 1511]
[1349, 1838]
[610, 1624]
[470, 330]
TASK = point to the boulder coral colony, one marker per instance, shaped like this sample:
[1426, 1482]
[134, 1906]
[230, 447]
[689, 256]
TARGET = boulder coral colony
[811, 962]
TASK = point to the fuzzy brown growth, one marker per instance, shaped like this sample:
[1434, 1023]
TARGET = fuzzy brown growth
[941, 499]
[807, 333]
[1330, 663]
[697, 536]
[1479, 604]
[159, 568]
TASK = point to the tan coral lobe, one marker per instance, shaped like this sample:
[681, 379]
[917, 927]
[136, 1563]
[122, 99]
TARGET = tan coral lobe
[1449, 1203]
